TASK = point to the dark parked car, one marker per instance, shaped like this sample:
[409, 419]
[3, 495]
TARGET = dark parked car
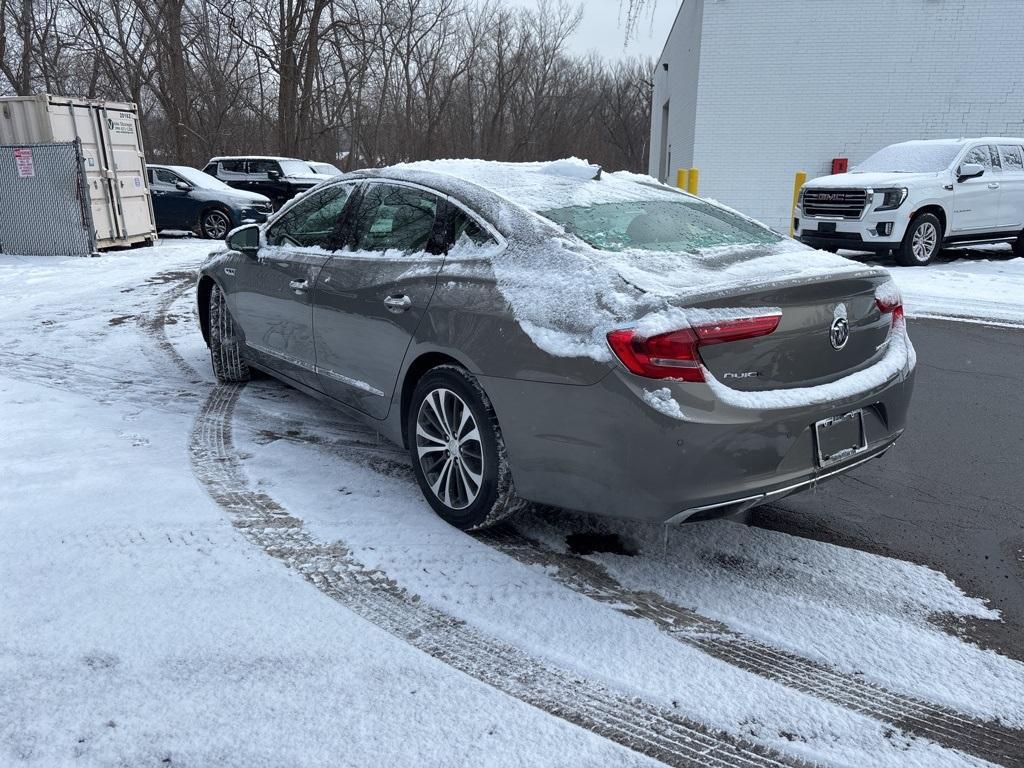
[187, 198]
[279, 178]
[550, 334]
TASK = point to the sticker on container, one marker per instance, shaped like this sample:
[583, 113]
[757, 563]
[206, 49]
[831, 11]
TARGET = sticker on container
[23, 160]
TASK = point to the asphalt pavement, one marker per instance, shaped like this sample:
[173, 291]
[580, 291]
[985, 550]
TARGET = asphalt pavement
[950, 495]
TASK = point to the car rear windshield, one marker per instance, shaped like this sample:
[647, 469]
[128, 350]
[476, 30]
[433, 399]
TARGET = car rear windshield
[684, 226]
[910, 158]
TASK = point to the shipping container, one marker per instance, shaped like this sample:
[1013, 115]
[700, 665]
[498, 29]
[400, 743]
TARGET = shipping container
[114, 158]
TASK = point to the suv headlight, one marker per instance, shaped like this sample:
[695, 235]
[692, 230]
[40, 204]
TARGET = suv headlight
[891, 198]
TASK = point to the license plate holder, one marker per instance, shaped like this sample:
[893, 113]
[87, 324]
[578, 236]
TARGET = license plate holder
[840, 437]
[827, 226]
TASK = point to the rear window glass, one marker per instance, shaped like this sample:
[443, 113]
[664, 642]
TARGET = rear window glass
[684, 226]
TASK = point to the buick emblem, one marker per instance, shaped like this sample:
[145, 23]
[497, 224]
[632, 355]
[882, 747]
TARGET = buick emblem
[839, 333]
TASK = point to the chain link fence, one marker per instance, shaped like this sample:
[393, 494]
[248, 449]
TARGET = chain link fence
[44, 201]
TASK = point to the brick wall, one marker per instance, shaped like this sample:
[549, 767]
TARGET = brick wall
[786, 85]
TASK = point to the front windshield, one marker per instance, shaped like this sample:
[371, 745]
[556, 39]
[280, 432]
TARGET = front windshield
[197, 178]
[911, 157]
[678, 226]
[295, 168]
[325, 168]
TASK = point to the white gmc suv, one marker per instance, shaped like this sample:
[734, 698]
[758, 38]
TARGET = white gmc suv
[912, 198]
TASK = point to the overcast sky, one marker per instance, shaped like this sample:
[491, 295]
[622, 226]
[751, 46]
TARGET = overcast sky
[604, 28]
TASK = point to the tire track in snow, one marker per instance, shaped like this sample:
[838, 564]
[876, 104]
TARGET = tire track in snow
[911, 715]
[637, 725]
[914, 716]
[985, 739]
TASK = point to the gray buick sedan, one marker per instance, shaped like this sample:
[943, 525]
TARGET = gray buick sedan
[552, 333]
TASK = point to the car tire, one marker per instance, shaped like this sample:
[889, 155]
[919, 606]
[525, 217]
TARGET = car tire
[1018, 246]
[214, 224]
[225, 348]
[466, 480]
[922, 242]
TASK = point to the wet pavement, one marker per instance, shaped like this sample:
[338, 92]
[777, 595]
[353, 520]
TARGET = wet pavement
[951, 493]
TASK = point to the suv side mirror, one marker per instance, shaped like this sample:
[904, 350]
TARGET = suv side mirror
[245, 239]
[969, 171]
[273, 175]
[184, 186]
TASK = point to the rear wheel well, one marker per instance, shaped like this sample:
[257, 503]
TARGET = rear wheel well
[935, 210]
[203, 305]
[417, 371]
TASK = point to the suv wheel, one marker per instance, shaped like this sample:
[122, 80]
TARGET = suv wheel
[225, 350]
[1018, 245]
[922, 242]
[457, 451]
[214, 224]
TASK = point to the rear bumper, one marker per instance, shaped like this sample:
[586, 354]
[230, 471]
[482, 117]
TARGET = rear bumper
[602, 449]
[738, 505]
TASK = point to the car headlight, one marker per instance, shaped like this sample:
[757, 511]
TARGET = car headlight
[891, 198]
[800, 198]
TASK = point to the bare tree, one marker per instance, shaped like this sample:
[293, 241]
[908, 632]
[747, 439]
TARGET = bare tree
[381, 80]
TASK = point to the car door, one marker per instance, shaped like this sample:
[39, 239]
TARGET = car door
[1011, 199]
[273, 296]
[171, 206]
[265, 178]
[976, 201]
[370, 298]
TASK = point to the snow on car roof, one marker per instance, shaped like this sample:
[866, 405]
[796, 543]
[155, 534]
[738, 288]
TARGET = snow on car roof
[250, 157]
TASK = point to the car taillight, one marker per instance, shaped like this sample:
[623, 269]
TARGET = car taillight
[890, 305]
[676, 354]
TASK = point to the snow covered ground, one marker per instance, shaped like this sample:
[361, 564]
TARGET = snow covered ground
[983, 285]
[200, 575]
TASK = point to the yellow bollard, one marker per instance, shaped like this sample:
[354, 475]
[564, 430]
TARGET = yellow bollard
[694, 181]
[799, 181]
[682, 175]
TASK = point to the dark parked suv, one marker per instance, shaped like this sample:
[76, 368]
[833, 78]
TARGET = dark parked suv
[187, 198]
[279, 178]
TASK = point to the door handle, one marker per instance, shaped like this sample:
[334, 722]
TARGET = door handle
[397, 303]
[299, 286]
[993, 185]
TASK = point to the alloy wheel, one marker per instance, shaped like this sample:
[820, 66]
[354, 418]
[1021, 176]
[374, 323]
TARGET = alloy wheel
[449, 448]
[925, 240]
[215, 225]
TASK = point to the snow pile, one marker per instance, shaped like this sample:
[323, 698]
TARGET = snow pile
[982, 290]
[662, 401]
[567, 295]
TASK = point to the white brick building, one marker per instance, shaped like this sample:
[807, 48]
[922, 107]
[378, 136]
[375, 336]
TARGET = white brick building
[756, 90]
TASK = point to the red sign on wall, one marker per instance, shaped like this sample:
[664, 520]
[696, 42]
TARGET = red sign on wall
[24, 162]
[840, 165]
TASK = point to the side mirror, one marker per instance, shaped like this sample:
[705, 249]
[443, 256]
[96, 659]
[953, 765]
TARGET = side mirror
[274, 175]
[245, 239]
[969, 171]
[184, 186]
